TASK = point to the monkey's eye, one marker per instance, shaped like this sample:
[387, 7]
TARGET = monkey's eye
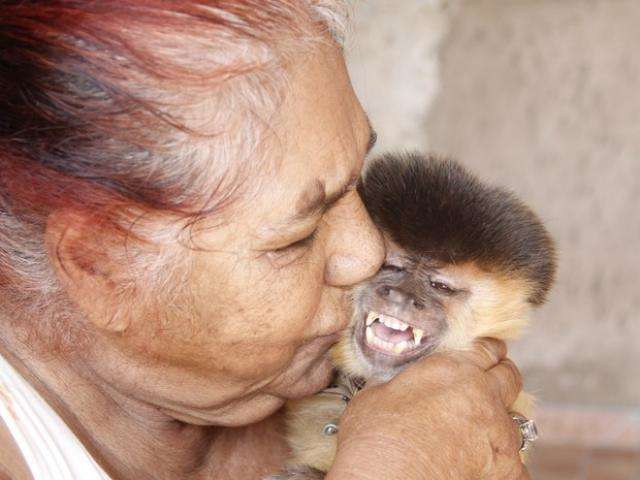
[388, 267]
[443, 287]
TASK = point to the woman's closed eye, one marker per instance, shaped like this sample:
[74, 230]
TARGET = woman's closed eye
[303, 242]
[292, 251]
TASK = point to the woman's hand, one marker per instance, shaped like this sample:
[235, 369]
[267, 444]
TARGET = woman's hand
[445, 417]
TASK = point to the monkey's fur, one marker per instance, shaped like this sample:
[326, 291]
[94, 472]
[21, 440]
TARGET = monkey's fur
[464, 260]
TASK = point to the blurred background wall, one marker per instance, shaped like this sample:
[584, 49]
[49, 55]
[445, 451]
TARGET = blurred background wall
[542, 96]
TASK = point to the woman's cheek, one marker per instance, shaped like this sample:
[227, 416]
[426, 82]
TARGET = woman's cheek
[280, 305]
[295, 294]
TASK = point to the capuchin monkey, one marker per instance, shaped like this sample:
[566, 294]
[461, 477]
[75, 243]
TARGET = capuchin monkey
[464, 260]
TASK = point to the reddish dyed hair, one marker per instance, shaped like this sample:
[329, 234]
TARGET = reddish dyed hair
[93, 98]
[68, 117]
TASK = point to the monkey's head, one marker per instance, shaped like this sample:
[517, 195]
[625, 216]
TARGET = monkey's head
[464, 260]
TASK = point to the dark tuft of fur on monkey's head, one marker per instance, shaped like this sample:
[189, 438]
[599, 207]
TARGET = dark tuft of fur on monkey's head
[435, 208]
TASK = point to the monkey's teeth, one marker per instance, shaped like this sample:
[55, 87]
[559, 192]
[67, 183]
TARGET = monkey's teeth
[372, 317]
[393, 323]
[375, 341]
[417, 336]
[401, 347]
[370, 335]
[397, 348]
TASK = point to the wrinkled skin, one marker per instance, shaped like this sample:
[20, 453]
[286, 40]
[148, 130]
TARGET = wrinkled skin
[435, 430]
[198, 395]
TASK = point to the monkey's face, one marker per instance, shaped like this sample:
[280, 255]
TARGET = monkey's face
[415, 305]
[399, 315]
[464, 260]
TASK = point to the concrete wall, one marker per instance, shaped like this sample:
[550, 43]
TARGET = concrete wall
[542, 96]
[393, 55]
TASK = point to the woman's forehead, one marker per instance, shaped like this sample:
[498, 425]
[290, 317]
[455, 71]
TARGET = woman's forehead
[322, 136]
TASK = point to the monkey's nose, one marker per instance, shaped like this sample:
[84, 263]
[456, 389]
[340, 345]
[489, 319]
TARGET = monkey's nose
[399, 297]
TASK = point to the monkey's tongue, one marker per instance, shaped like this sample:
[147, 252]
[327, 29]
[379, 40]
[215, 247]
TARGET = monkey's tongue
[391, 335]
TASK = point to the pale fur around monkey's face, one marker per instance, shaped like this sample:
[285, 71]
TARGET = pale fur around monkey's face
[464, 260]
[417, 306]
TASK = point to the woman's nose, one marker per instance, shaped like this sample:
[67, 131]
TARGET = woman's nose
[355, 246]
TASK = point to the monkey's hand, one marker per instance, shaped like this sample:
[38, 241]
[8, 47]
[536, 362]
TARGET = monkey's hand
[299, 473]
[444, 417]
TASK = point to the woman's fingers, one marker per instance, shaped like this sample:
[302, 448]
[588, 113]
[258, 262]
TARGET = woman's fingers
[525, 474]
[517, 471]
[485, 353]
[468, 392]
[506, 381]
[507, 463]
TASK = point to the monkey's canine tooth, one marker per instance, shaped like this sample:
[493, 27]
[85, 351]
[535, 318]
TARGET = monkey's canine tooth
[417, 336]
[369, 334]
[372, 317]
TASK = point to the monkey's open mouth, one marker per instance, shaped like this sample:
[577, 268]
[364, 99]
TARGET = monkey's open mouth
[391, 335]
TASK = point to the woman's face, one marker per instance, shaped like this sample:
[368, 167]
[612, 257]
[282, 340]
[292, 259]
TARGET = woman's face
[267, 293]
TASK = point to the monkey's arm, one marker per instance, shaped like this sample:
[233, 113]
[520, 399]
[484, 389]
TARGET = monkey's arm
[310, 434]
[313, 444]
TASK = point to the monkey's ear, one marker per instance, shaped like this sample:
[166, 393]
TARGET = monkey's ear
[78, 251]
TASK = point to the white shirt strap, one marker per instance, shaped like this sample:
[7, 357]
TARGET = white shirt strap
[49, 447]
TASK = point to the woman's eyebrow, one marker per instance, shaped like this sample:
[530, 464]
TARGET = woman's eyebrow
[314, 200]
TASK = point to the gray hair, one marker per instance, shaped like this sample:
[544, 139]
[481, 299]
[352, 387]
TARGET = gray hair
[76, 117]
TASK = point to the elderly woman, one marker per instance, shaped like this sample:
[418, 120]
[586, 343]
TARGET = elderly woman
[178, 228]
